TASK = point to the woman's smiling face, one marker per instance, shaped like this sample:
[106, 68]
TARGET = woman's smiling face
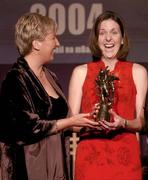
[109, 38]
[47, 47]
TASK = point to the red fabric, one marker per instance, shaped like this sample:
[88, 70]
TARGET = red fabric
[118, 157]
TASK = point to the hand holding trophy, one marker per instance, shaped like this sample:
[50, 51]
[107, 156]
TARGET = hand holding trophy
[106, 89]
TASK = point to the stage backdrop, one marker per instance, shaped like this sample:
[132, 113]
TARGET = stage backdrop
[75, 19]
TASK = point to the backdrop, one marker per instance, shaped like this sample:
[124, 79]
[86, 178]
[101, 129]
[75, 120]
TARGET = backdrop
[75, 19]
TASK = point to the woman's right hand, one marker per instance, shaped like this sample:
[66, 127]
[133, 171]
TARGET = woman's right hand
[77, 121]
[83, 120]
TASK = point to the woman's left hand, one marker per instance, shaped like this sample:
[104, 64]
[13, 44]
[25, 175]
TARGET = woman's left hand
[116, 123]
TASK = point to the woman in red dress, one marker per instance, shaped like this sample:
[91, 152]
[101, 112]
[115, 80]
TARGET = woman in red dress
[112, 152]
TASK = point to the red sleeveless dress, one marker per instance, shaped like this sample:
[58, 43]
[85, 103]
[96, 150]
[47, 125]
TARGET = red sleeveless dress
[116, 156]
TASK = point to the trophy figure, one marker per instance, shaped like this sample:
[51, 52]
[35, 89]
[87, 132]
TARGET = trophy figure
[106, 89]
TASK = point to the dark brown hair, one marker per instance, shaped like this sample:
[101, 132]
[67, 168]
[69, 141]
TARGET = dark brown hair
[93, 42]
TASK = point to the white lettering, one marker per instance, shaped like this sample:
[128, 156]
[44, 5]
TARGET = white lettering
[39, 8]
[95, 11]
[57, 12]
[75, 14]
[76, 19]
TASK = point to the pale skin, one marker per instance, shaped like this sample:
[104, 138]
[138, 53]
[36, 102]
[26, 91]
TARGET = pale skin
[109, 41]
[42, 53]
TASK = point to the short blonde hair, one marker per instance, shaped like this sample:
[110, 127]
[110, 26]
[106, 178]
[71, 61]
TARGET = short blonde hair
[29, 27]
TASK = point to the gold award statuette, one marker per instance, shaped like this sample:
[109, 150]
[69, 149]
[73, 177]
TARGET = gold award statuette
[105, 90]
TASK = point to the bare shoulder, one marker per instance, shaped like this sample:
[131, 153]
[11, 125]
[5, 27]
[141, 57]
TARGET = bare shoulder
[80, 70]
[139, 72]
[138, 68]
[78, 75]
